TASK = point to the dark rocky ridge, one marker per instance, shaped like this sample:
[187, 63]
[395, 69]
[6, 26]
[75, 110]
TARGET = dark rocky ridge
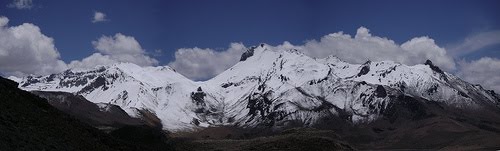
[247, 54]
[88, 112]
[28, 122]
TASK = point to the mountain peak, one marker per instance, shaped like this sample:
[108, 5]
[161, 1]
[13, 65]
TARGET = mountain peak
[251, 51]
[433, 67]
[247, 54]
[428, 62]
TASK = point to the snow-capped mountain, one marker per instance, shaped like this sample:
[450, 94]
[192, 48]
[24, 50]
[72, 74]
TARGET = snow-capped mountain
[160, 90]
[273, 87]
[268, 87]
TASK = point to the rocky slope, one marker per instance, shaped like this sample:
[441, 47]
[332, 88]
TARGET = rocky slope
[101, 115]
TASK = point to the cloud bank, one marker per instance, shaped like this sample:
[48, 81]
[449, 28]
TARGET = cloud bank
[485, 71]
[364, 46]
[24, 49]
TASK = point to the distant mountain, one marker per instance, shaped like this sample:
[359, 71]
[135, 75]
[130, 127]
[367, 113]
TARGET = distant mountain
[276, 88]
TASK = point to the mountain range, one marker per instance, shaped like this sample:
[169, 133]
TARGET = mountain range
[272, 88]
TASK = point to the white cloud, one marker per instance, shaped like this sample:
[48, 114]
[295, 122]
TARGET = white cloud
[117, 45]
[485, 71]
[365, 46]
[200, 64]
[25, 50]
[99, 17]
[118, 48]
[475, 42]
[21, 4]
[423, 48]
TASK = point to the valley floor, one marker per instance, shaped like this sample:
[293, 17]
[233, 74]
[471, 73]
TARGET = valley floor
[429, 134]
[292, 140]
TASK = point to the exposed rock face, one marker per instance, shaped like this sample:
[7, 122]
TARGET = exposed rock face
[365, 69]
[380, 91]
[433, 67]
[247, 54]
[198, 97]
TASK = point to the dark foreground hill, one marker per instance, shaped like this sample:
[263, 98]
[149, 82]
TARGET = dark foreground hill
[28, 122]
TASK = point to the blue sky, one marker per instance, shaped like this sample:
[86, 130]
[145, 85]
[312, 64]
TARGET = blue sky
[200, 39]
[170, 25]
